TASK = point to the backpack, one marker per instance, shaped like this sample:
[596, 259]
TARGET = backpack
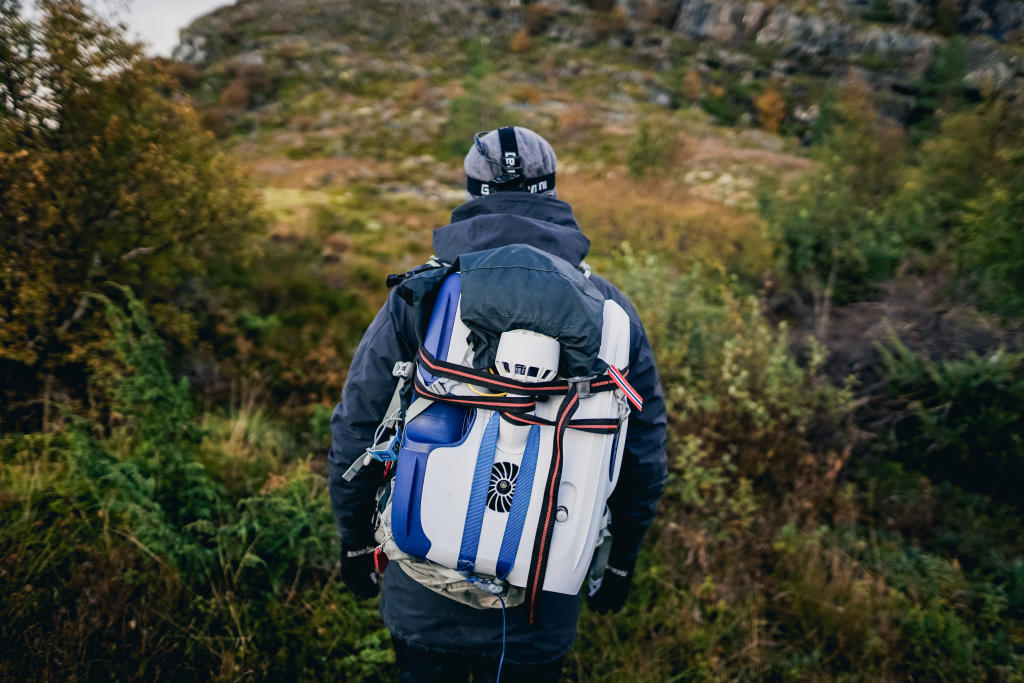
[512, 440]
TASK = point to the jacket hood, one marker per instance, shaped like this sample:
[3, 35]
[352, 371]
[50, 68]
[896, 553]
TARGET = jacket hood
[512, 218]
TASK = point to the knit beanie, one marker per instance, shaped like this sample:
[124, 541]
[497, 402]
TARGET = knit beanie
[483, 161]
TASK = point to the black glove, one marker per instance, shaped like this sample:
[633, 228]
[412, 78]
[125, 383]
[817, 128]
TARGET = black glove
[357, 570]
[611, 594]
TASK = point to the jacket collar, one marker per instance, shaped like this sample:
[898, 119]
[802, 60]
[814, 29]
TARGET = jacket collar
[512, 218]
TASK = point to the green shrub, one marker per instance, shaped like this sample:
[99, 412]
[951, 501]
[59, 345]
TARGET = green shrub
[729, 376]
[478, 110]
[874, 604]
[751, 429]
[960, 420]
[287, 323]
[147, 472]
[729, 103]
[948, 172]
[991, 238]
[650, 151]
[833, 240]
[881, 11]
[940, 90]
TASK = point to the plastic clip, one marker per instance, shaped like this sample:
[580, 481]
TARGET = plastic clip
[489, 585]
[386, 454]
[389, 452]
[402, 369]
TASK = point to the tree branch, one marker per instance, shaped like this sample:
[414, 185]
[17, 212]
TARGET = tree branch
[83, 304]
[137, 251]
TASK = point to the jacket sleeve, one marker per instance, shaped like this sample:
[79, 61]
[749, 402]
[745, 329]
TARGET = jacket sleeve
[364, 399]
[644, 468]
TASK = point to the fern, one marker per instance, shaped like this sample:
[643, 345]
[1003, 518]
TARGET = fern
[148, 472]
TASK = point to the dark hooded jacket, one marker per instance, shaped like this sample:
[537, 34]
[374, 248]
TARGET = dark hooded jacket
[414, 613]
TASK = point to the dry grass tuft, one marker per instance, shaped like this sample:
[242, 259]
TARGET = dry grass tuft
[520, 41]
[662, 216]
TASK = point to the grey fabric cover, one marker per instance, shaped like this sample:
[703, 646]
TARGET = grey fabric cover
[521, 287]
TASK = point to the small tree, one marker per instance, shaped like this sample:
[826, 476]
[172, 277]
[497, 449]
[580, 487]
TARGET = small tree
[648, 150]
[991, 238]
[832, 243]
[105, 175]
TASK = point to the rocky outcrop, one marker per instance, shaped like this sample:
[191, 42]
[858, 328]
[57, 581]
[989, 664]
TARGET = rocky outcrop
[404, 24]
[813, 38]
[891, 44]
[1002, 20]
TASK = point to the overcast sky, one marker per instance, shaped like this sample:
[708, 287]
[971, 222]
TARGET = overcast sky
[157, 22]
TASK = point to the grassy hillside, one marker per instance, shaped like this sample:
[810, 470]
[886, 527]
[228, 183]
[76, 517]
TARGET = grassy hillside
[832, 294]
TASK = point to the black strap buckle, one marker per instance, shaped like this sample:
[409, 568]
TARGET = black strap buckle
[508, 182]
[512, 163]
[582, 385]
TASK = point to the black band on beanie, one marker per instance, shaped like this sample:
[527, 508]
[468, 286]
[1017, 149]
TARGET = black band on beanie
[511, 162]
[482, 188]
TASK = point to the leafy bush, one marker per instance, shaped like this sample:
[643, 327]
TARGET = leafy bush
[520, 41]
[947, 173]
[105, 175]
[730, 378]
[750, 445]
[771, 109]
[727, 103]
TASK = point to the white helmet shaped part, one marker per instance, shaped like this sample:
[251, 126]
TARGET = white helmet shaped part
[527, 356]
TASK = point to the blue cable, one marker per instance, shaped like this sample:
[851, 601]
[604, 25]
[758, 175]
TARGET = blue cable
[502, 660]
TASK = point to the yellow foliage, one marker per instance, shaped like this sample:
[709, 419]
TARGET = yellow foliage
[604, 25]
[693, 90]
[666, 219]
[527, 93]
[536, 17]
[771, 110]
[235, 97]
[417, 91]
[520, 41]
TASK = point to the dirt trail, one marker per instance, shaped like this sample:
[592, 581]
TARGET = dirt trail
[702, 150]
[309, 173]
